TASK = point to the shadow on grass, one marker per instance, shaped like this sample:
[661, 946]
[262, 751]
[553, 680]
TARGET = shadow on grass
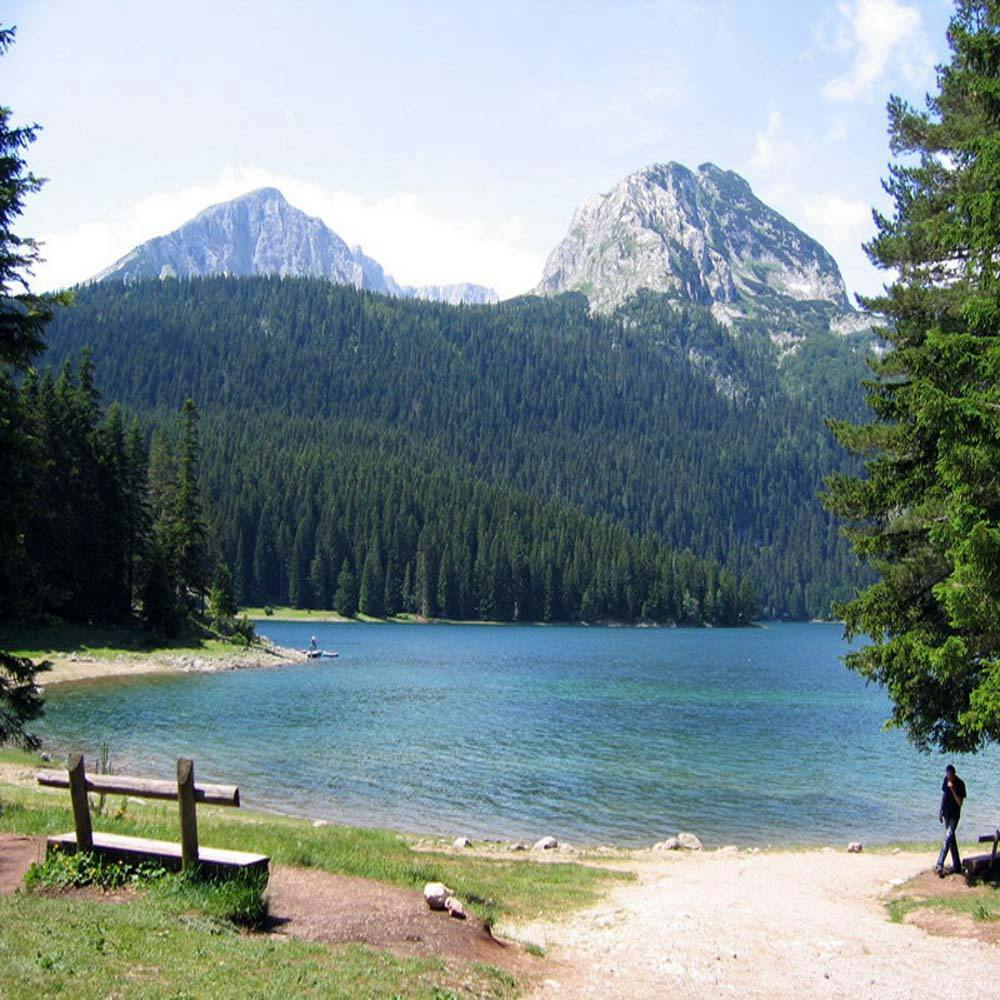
[36, 640]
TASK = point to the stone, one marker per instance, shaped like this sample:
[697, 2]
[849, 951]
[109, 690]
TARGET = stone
[545, 844]
[566, 849]
[855, 847]
[461, 842]
[454, 908]
[670, 844]
[689, 842]
[436, 895]
[320, 822]
[518, 846]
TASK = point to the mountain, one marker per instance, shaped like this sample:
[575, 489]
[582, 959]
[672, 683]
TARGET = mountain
[260, 233]
[702, 238]
[656, 420]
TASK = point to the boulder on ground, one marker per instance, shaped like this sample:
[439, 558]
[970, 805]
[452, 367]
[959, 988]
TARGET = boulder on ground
[670, 844]
[320, 822]
[855, 847]
[461, 842]
[518, 847]
[454, 908]
[689, 841]
[545, 844]
[436, 895]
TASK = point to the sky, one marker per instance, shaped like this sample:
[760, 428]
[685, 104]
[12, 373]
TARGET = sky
[452, 140]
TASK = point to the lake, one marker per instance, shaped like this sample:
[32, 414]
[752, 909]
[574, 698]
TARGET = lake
[594, 735]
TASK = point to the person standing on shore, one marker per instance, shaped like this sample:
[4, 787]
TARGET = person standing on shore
[952, 797]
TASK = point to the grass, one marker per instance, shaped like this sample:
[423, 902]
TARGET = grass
[280, 613]
[153, 947]
[285, 614]
[493, 888]
[176, 937]
[983, 905]
[103, 642]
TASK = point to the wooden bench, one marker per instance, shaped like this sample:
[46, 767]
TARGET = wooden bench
[186, 855]
[983, 865]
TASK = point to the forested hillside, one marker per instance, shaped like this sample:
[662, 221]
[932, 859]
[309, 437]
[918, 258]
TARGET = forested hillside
[345, 431]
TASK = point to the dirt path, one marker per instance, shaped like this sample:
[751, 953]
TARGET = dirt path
[16, 855]
[318, 906]
[774, 925]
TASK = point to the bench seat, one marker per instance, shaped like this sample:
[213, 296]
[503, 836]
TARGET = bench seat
[164, 851]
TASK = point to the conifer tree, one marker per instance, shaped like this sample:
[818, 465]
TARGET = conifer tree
[23, 316]
[926, 514]
[190, 531]
[345, 600]
[372, 589]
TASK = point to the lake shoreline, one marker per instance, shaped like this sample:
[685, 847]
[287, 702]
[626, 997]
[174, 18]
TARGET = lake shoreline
[80, 667]
[299, 616]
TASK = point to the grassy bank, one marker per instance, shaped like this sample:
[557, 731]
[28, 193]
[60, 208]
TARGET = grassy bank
[160, 946]
[104, 642]
[288, 614]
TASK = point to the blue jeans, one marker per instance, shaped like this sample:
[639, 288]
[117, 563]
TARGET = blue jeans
[950, 843]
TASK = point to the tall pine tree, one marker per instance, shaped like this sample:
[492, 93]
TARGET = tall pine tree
[22, 319]
[927, 512]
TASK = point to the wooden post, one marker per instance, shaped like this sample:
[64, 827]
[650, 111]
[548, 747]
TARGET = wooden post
[81, 807]
[188, 813]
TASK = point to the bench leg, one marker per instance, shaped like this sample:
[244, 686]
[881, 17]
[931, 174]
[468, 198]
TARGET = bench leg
[188, 814]
[81, 806]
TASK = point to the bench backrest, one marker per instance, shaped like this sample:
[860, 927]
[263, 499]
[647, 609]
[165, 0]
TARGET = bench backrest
[185, 791]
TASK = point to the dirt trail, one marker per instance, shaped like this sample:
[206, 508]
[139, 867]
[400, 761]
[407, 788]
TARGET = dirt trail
[16, 856]
[318, 906]
[767, 925]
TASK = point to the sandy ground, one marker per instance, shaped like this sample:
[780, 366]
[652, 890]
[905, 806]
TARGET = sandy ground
[770, 925]
[83, 667]
[717, 924]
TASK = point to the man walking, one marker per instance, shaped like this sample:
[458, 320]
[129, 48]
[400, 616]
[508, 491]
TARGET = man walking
[952, 797]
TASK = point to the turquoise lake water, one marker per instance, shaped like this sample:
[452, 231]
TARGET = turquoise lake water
[594, 735]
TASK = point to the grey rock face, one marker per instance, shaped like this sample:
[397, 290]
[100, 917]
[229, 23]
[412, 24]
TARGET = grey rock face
[455, 294]
[261, 233]
[699, 237]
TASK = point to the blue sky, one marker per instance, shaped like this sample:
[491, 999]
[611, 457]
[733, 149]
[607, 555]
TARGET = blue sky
[453, 140]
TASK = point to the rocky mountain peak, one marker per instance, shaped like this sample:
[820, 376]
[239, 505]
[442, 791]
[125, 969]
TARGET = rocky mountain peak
[699, 237]
[260, 232]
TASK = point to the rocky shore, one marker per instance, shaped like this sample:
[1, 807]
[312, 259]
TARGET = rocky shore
[83, 666]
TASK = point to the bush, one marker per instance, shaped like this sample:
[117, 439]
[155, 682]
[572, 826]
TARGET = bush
[61, 870]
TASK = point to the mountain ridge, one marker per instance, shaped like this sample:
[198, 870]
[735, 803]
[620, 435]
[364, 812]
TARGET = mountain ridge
[262, 233]
[704, 238]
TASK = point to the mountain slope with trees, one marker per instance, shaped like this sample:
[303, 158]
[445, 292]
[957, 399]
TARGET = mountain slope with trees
[654, 419]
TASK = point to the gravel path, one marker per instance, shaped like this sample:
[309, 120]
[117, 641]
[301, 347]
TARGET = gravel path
[774, 925]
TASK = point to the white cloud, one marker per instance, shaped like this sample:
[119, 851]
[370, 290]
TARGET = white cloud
[770, 149]
[413, 243]
[842, 225]
[882, 36]
[837, 132]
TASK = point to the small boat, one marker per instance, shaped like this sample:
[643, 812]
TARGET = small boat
[320, 654]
